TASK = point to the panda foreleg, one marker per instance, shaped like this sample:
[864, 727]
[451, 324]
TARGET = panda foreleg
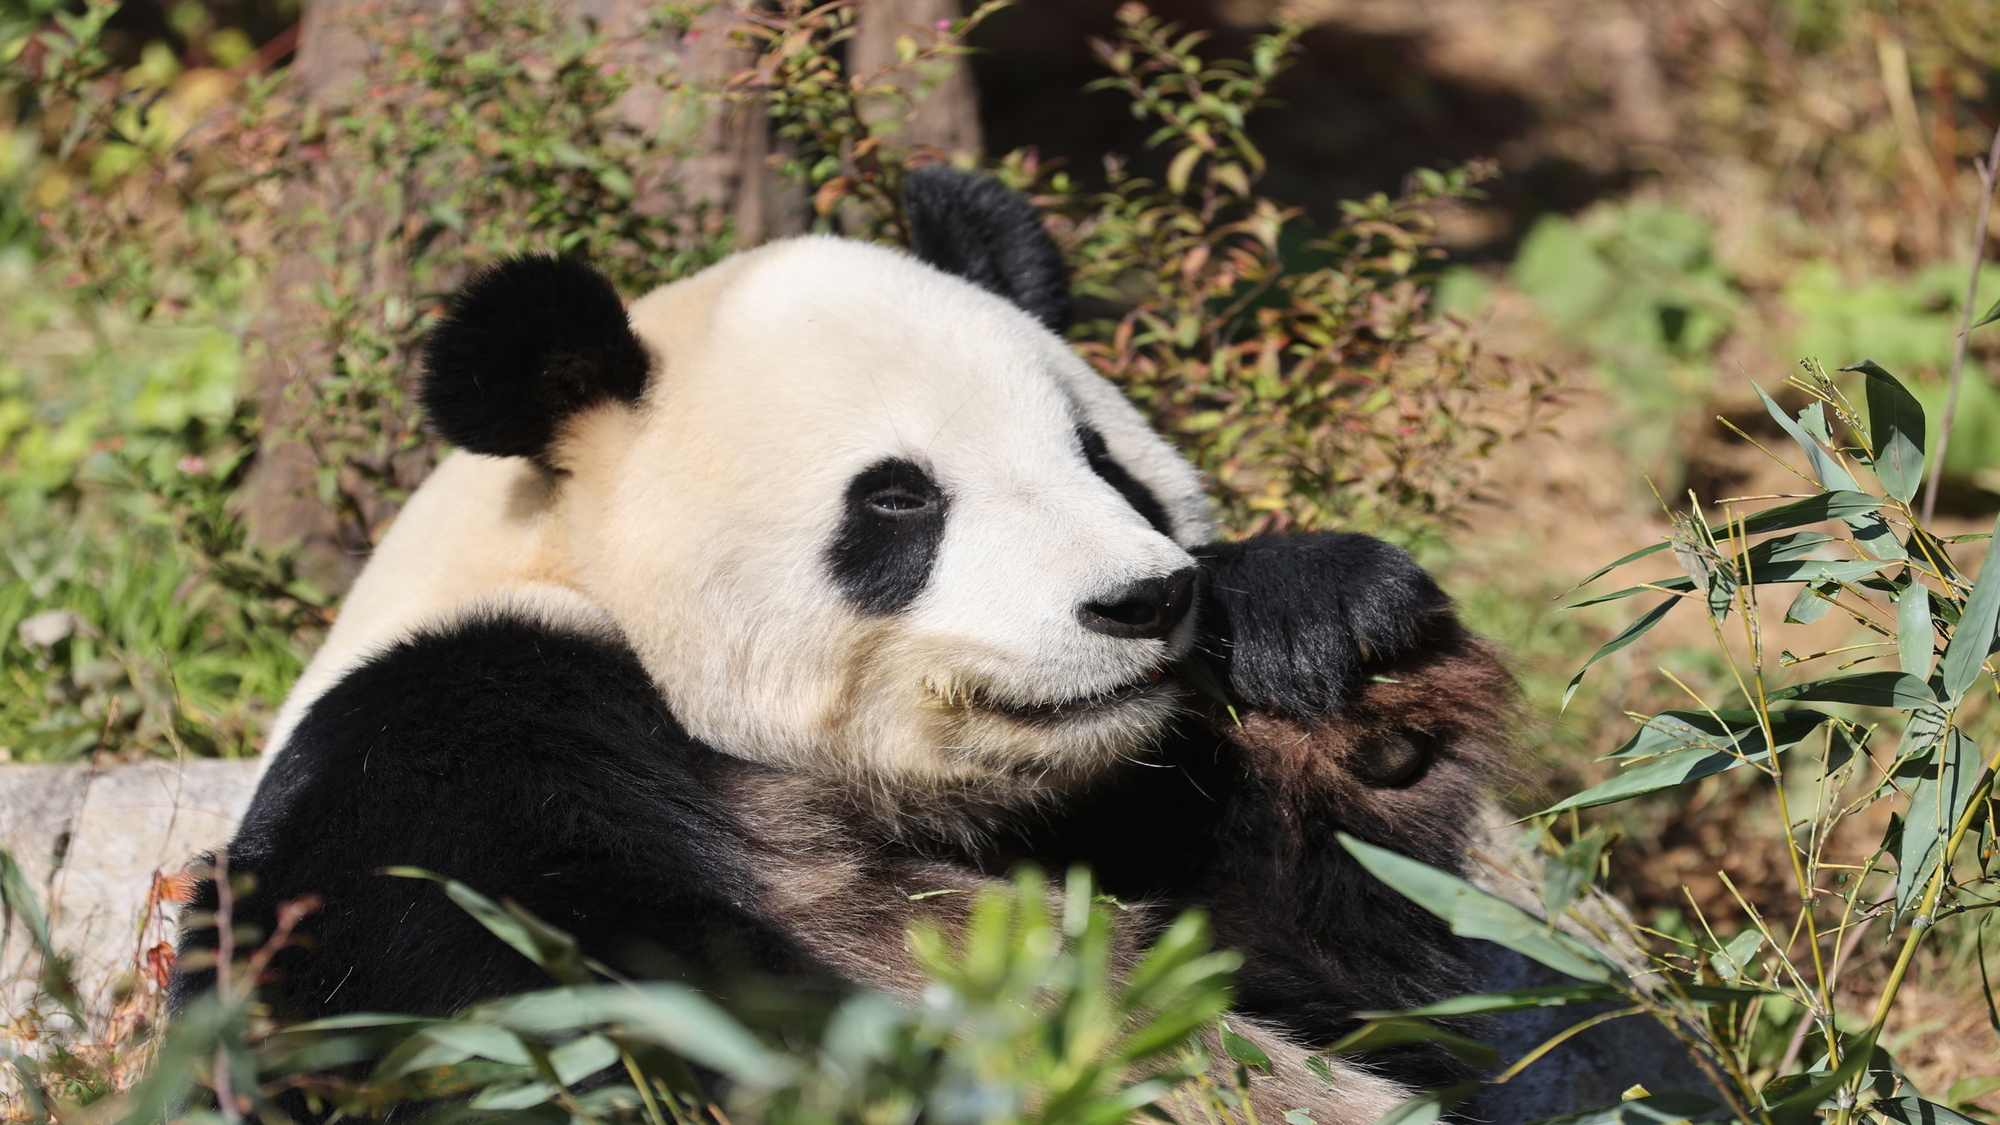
[1363, 707]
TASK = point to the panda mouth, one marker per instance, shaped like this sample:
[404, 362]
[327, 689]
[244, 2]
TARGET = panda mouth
[1053, 712]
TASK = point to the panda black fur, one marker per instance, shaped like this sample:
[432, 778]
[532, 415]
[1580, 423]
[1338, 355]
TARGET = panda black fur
[718, 745]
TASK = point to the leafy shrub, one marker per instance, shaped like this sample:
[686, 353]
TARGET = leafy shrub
[1304, 371]
[1773, 1007]
[1029, 1016]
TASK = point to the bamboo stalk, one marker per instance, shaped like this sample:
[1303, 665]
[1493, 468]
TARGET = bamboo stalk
[1988, 170]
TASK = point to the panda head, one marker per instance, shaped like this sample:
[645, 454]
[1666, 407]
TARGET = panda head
[860, 512]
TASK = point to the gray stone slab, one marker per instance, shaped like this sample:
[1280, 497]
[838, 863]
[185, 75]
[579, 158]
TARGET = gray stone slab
[38, 809]
[92, 841]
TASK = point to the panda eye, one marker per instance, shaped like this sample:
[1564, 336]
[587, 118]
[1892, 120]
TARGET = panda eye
[898, 502]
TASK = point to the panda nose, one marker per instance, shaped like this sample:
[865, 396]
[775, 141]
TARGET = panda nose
[1146, 609]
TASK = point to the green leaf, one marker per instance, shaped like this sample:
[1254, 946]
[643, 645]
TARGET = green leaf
[1812, 602]
[1824, 465]
[1798, 1105]
[1570, 872]
[553, 950]
[1511, 1000]
[1972, 1089]
[1785, 548]
[1816, 570]
[1682, 584]
[1867, 689]
[1631, 558]
[1203, 679]
[1915, 639]
[1664, 772]
[1743, 731]
[1896, 430]
[17, 900]
[1632, 633]
[1243, 1050]
[1912, 1110]
[1473, 913]
[1395, 1031]
[1876, 538]
[1732, 961]
[1840, 505]
[445, 1044]
[663, 1013]
[1657, 1109]
[1181, 169]
[1992, 315]
[1937, 800]
[1973, 639]
[1715, 745]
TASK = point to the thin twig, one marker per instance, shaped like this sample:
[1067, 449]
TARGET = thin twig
[1988, 170]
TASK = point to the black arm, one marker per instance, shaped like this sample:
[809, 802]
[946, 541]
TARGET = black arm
[529, 763]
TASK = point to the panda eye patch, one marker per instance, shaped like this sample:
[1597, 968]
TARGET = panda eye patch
[892, 522]
[1098, 456]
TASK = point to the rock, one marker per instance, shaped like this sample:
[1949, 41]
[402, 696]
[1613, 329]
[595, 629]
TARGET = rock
[91, 842]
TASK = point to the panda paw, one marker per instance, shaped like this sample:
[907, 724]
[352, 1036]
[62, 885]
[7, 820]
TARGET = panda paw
[1295, 620]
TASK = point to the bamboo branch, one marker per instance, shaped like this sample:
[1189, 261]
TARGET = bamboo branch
[1988, 169]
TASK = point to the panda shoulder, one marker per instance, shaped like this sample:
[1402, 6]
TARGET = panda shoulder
[504, 688]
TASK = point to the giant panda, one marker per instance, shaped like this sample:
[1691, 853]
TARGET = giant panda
[827, 577]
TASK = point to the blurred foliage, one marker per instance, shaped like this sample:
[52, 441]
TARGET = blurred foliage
[1032, 1013]
[1305, 372]
[177, 209]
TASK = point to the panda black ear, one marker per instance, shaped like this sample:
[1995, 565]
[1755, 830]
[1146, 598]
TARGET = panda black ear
[528, 342]
[974, 227]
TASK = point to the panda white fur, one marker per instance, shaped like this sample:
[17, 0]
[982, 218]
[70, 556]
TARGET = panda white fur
[826, 577]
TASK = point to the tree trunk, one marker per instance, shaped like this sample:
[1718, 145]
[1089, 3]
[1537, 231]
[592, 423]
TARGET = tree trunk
[947, 116]
[362, 246]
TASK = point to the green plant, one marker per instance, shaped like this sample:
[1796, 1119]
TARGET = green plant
[1032, 1014]
[1769, 1005]
[1304, 372]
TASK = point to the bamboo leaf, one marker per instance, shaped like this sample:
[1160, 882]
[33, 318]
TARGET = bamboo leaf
[1915, 638]
[1973, 639]
[1631, 558]
[1742, 731]
[1510, 1000]
[1867, 689]
[1937, 799]
[1473, 913]
[1429, 1106]
[1664, 772]
[1632, 633]
[1840, 504]
[1912, 1110]
[553, 950]
[1824, 465]
[1395, 1031]
[1896, 430]
[1812, 602]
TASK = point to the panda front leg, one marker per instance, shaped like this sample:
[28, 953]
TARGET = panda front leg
[1361, 706]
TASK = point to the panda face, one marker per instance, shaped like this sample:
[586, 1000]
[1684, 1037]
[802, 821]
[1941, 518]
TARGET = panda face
[870, 519]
